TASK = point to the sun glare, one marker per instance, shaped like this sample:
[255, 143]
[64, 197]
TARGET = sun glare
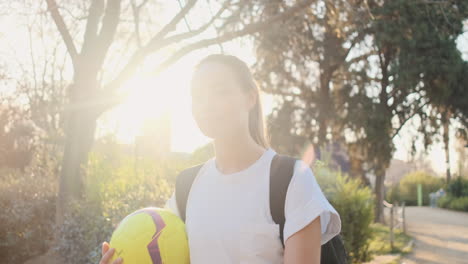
[148, 98]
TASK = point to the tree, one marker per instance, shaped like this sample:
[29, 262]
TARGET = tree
[417, 67]
[357, 72]
[428, 57]
[303, 62]
[316, 64]
[462, 151]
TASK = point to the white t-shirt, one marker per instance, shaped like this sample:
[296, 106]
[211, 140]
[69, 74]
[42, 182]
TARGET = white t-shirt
[228, 217]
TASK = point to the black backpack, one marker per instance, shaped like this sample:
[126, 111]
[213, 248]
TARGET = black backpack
[281, 172]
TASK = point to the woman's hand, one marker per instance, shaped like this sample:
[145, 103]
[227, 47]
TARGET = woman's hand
[107, 255]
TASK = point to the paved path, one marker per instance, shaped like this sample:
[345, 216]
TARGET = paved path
[440, 236]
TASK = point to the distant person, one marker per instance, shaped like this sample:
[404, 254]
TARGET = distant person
[228, 216]
[433, 199]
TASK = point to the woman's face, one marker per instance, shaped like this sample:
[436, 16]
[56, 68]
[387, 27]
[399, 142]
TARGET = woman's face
[219, 105]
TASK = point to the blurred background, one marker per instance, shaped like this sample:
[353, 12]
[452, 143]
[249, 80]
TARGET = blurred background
[95, 114]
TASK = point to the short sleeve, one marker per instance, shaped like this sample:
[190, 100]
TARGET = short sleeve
[305, 201]
[171, 205]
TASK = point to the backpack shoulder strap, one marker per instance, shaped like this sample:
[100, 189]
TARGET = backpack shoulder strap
[281, 172]
[183, 185]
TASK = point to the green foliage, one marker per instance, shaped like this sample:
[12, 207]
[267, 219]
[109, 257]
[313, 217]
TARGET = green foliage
[355, 205]
[459, 204]
[393, 194]
[115, 187]
[128, 183]
[27, 199]
[458, 187]
[202, 154]
[453, 203]
[84, 229]
[421, 39]
[444, 201]
[457, 195]
[408, 187]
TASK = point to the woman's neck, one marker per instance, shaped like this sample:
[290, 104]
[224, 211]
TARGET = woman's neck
[237, 153]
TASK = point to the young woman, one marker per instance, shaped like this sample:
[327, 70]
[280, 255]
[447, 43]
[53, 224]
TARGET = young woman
[228, 217]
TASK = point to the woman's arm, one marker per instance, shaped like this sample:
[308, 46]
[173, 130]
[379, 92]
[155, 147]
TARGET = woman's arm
[304, 246]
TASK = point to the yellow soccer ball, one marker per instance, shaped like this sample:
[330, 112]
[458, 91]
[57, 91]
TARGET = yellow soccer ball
[151, 236]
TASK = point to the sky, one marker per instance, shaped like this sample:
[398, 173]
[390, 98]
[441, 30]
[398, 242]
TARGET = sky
[152, 96]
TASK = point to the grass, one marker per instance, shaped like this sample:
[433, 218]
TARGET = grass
[380, 243]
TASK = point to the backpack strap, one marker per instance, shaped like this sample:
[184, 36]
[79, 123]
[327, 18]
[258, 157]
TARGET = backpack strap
[184, 182]
[281, 172]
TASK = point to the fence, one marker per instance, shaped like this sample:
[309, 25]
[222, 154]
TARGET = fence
[394, 215]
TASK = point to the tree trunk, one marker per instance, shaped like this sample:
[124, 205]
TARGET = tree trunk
[357, 170]
[325, 108]
[446, 124]
[80, 136]
[80, 126]
[79, 131]
[379, 195]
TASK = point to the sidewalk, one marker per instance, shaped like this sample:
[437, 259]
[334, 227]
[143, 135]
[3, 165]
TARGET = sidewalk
[440, 236]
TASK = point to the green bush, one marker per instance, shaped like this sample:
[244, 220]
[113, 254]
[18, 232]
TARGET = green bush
[454, 203]
[408, 187]
[355, 205]
[393, 194]
[82, 233]
[27, 199]
[458, 187]
[115, 187]
[444, 201]
[459, 204]
[456, 197]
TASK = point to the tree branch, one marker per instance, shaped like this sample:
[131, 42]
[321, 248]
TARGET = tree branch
[108, 29]
[62, 28]
[186, 35]
[359, 58]
[173, 23]
[136, 16]
[154, 45]
[408, 118]
[187, 24]
[249, 29]
[95, 11]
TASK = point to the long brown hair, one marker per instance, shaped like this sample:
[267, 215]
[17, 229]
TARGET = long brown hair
[245, 78]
